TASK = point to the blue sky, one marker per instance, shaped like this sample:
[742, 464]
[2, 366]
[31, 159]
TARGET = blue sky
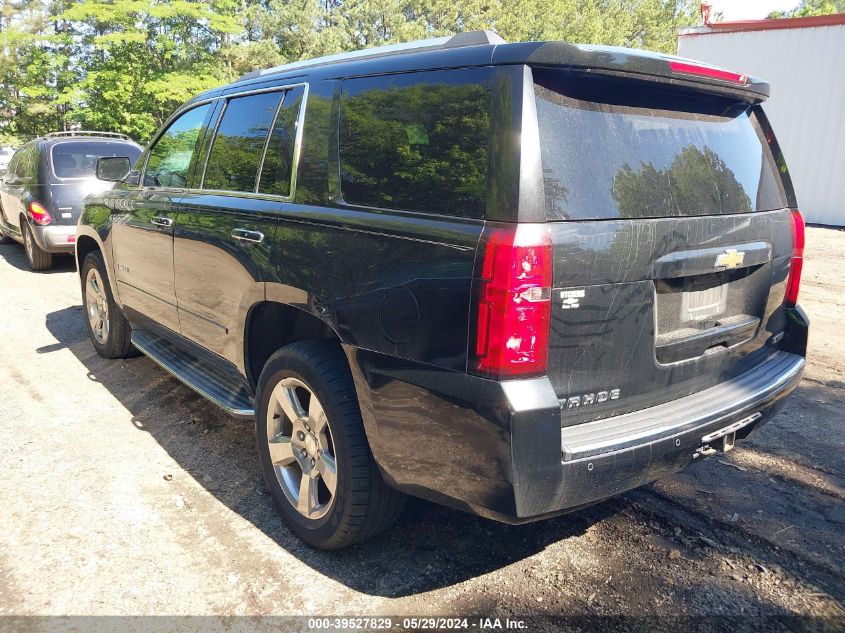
[750, 9]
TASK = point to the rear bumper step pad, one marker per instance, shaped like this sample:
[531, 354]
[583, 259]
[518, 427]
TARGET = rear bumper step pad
[702, 409]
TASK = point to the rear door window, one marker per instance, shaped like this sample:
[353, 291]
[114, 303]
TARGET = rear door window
[277, 170]
[239, 142]
[417, 142]
[27, 165]
[13, 165]
[633, 151]
[78, 159]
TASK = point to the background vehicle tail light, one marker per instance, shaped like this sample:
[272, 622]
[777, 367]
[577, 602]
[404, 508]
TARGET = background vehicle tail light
[514, 301]
[39, 214]
[794, 280]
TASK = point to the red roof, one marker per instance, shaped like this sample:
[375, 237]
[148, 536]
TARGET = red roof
[766, 25]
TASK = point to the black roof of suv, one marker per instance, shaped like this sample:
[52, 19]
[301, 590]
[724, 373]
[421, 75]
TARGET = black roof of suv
[482, 48]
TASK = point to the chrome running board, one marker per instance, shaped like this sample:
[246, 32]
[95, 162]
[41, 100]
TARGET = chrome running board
[223, 388]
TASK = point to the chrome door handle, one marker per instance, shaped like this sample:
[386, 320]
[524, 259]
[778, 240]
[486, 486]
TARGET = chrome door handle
[248, 236]
[160, 221]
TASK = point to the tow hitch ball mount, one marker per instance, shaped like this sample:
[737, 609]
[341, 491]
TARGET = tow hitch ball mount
[725, 438]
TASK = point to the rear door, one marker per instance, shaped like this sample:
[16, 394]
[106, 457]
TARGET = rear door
[142, 223]
[671, 236]
[225, 226]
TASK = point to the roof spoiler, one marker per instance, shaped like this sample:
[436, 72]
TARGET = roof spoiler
[636, 64]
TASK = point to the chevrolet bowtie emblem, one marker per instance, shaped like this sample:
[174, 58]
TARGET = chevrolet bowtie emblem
[731, 258]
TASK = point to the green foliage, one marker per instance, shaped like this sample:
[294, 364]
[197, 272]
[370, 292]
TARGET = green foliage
[811, 7]
[124, 65]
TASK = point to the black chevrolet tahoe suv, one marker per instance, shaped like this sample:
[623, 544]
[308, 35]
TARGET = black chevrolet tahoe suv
[516, 279]
[41, 192]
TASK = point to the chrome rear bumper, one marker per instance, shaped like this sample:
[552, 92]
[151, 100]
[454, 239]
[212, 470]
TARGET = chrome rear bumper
[56, 238]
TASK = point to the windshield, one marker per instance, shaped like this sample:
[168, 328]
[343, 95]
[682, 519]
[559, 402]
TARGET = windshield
[629, 152]
[78, 159]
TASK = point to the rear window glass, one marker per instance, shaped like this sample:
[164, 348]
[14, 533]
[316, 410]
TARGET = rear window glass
[613, 151]
[78, 159]
[239, 142]
[417, 142]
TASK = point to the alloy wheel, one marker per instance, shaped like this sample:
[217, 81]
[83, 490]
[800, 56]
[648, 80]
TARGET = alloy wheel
[301, 448]
[27, 244]
[97, 306]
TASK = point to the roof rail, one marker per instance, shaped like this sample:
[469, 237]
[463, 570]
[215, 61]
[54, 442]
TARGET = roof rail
[87, 133]
[467, 38]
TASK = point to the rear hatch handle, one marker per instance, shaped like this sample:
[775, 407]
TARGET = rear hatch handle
[711, 260]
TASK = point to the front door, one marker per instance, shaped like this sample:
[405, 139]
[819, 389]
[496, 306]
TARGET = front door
[225, 227]
[142, 224]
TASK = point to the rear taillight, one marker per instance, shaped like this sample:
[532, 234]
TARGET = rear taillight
[794, 280]
[39, 214]
[514, 301]
[711, 72]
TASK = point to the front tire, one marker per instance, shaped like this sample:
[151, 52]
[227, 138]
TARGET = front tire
[313, 451]
[38, 258]
[109, 330]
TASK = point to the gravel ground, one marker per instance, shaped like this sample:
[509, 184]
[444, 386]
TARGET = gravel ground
[123, 492]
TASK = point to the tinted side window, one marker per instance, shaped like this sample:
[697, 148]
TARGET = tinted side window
[13, 165]
[27, 167]
[278, 161]
[239, 142]
[417, 142]
[171, 156]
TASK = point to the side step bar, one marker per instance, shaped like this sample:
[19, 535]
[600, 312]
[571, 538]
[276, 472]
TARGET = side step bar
[216, 384]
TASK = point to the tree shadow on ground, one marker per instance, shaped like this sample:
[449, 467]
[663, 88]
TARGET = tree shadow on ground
[430, 547]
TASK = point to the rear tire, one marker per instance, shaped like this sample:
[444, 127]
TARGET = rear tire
[38, 258]
[109, 330]
[4, 239]
[307, 414]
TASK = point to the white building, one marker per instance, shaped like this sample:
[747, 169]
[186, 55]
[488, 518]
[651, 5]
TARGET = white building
[804, 61]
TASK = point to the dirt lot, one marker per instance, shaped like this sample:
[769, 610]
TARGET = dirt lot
[123, 492]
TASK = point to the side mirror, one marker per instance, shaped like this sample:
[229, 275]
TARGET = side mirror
[113, 168]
